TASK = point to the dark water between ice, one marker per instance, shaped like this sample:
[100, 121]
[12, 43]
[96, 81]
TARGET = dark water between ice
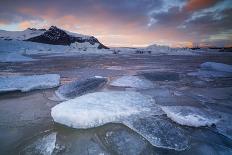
[26, 126]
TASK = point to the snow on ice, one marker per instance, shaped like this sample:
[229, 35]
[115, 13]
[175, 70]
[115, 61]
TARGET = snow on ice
[27, 83]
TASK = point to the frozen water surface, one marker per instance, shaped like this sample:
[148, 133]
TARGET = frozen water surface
[115, 121]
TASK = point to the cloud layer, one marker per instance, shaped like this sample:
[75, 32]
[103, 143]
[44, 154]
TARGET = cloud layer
[127, 22]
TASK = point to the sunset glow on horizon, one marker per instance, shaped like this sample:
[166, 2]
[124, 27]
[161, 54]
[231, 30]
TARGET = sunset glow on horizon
[124, 23]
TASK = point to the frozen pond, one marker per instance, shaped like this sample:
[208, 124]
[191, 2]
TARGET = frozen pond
[175, 112]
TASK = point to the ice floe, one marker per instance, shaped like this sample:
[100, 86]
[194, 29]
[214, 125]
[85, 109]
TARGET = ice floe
[95, 109]
[80, 87]
[190, 116]
[27, 83]
[213, 70]
[132, 81]
[216, 66]
[44, 145]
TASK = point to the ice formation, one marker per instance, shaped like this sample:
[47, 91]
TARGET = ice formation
[27, 83]
[189, 116]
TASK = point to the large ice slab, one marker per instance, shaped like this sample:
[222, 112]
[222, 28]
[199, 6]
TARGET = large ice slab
[213, 70]
[80, 87]
[216, 66]
[132, 81]
[95, 109]
[137, 111]
[27, 83]
[190, 116]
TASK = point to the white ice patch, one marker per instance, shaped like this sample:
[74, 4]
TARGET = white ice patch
[189, 116]
[43, 146]
[27, 83]
[132, 81]
[99, 108]
[216, 66]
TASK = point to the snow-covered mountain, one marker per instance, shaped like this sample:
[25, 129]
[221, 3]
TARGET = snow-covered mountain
[53, 35]
[21, 35]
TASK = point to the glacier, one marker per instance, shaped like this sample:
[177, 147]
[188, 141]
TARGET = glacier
[27, 83]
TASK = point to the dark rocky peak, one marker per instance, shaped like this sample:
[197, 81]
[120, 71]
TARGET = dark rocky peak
[58, 36]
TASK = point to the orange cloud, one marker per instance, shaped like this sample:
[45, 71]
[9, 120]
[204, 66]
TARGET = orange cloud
[194, 5]
[25, 24]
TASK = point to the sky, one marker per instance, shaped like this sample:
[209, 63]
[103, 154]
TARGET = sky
[135, 23]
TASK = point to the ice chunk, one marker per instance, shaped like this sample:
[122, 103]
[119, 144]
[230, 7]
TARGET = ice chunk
[95, 109]
[160, 132]
[27, 83]
[216, 66]
[189, 116]
[213, 70]
[77, 88]
[44, 145]
[210, 74]
[132, 81]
